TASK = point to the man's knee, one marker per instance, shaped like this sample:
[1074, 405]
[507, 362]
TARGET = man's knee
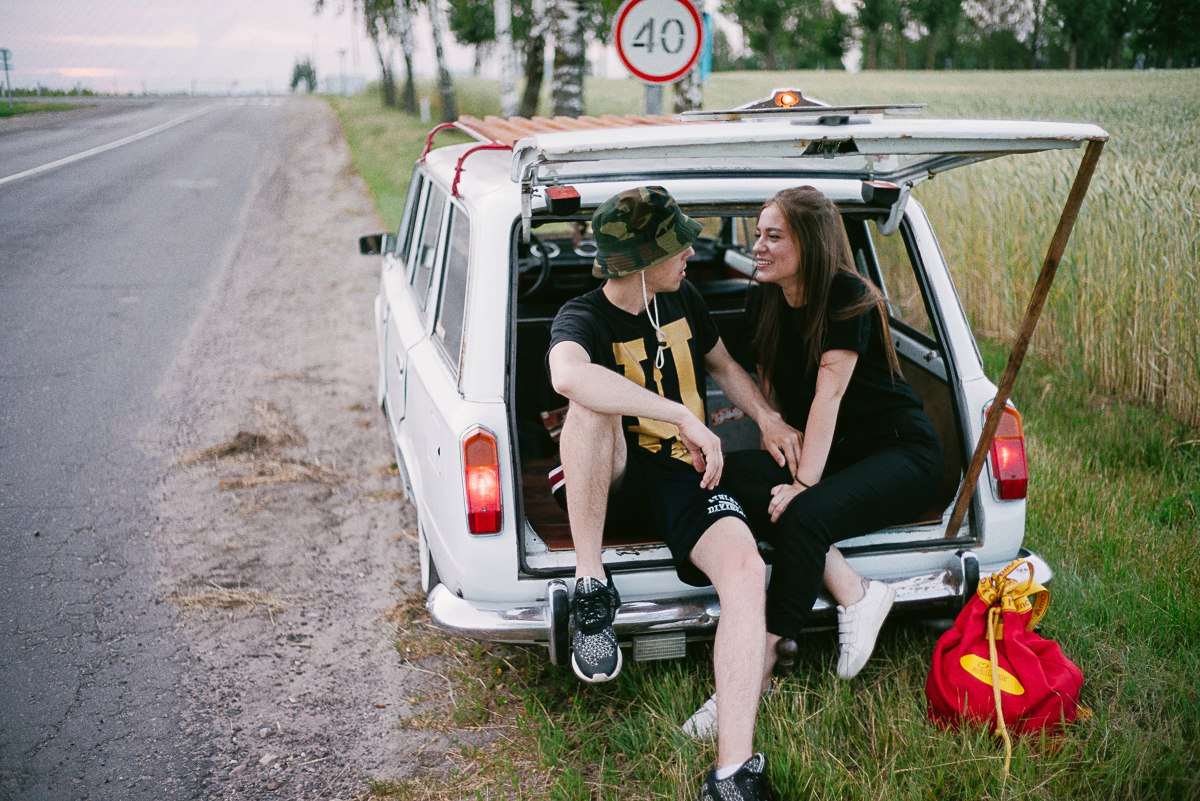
[729, 556]
[587, 428]
[586, 425]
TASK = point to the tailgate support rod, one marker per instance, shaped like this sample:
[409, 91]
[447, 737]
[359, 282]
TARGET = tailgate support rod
[1025, 333]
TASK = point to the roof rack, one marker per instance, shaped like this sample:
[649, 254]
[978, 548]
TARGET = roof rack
[501, 133]
[508, 130]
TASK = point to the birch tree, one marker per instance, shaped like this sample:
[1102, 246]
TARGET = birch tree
[534, 51]
[404, 33]
[437, 21]
[570, 61]
[508, 66]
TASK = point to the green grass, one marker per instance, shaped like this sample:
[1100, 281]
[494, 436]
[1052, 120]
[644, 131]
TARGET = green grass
[1114, 500]
[19, 107]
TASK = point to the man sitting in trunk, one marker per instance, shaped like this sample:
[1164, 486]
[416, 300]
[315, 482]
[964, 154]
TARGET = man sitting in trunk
[631, 358]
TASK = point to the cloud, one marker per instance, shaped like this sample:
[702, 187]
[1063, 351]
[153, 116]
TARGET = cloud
[182, 40]
[78, 72]
[252, 36]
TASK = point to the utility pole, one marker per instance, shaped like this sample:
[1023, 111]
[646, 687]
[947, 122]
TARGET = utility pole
[6, 60]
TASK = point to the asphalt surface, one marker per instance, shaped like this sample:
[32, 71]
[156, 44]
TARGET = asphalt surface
[114, 223]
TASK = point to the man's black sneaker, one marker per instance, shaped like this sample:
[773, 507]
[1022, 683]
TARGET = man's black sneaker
[748, 784]
[595, 656]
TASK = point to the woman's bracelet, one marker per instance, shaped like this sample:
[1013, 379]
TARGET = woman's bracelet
[801, 483]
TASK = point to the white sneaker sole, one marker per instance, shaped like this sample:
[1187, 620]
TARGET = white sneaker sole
[598, 678]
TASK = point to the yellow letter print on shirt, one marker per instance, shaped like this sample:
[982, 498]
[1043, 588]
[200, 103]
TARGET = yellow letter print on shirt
[632, 357]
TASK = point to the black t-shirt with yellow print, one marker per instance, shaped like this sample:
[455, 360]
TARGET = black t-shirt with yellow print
[626, 343]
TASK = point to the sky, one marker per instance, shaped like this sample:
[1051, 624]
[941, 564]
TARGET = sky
[202, 46]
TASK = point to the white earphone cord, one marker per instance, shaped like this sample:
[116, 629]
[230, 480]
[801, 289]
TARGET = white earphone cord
[658, 332]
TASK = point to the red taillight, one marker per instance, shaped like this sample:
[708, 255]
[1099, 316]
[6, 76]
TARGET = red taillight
[481, 471]
[1008, 458]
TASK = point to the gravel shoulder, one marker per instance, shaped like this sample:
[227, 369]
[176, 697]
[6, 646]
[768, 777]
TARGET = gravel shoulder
[283, 538]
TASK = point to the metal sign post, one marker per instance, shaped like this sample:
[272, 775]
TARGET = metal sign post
[658, 41]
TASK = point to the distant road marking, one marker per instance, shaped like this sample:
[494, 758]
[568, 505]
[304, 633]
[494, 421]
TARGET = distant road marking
[54, 165]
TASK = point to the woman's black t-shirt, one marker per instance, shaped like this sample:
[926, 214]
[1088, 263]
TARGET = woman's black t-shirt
[877, 404]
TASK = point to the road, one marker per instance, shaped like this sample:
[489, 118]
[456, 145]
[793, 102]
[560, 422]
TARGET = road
[114, 224]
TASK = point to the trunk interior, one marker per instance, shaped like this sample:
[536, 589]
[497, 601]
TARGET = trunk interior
[556, 266]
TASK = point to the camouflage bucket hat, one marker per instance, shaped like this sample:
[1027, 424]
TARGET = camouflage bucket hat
[637, 229]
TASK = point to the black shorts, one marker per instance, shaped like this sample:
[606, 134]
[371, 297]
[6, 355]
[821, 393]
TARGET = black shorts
[662, 498]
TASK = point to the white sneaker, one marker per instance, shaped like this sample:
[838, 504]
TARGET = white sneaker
[858, 626]
[702, 725]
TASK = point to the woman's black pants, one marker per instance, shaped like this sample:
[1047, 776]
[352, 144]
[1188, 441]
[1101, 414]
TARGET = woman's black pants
[859, 493]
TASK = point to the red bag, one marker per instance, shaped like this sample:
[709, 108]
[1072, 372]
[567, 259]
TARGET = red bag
[991, 668]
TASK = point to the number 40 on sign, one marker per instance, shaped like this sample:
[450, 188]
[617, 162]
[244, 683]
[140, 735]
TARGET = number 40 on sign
[658, 40]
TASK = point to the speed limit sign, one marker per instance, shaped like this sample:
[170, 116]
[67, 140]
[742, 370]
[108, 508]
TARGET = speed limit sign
[658, 40]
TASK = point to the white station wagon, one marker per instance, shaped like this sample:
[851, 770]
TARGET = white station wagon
[495, 238]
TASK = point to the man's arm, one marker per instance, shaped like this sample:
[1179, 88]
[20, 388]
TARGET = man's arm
[579, 380]
[783, 442]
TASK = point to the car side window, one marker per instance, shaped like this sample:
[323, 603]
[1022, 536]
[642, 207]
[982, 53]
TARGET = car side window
[906, 302]
[404, 235]
[452, 300]
[426, 250]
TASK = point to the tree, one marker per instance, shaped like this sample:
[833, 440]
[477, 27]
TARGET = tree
[502, 25]
[473, 23]
[386, 22]
[1082, 25]
[1122, 18]
[940, 19]
[570, 57]
[792, 34]
[437, 21]
[536, 26]
[304, 72]
[999, 26]
[1167, 33]
[404, 33]
[873, 17]
[572, 22]
[762, 25]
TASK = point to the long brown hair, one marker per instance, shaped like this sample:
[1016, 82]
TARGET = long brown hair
[816, 225]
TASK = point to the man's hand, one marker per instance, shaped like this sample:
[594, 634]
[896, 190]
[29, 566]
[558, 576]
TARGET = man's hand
[705, 448]
[783, 442]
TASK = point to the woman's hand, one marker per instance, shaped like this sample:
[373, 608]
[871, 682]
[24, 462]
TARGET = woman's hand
[781, 497]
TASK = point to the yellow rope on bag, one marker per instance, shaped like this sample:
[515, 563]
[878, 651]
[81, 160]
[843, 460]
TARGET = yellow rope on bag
[1014, 596]
[1001, 728]
[1004, 594]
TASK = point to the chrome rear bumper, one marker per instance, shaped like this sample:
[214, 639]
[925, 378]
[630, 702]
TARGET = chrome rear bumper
[696, 616]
